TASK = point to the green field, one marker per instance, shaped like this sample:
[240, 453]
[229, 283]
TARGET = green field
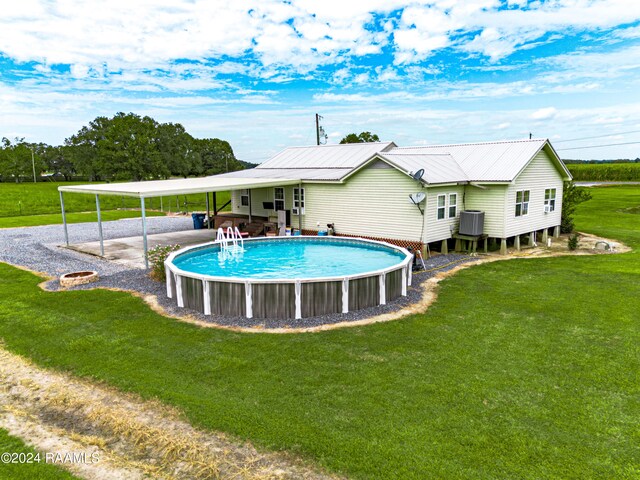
[601, 172]
[54, 218]
[522, 369]
[31, 471]
[17, 199]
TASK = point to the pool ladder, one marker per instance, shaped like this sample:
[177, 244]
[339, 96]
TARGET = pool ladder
[231, 242]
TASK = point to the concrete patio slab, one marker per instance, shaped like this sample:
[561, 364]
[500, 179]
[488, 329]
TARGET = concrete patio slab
[129, 251]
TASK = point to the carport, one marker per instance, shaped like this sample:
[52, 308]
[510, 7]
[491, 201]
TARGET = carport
[161, 188]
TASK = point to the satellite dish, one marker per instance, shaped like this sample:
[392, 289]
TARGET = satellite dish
[417, 176]
[416, 198]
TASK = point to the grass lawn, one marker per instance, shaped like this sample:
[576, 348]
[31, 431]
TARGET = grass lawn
[29, 471]
[25, 199]
[521, 369]
[54, 218]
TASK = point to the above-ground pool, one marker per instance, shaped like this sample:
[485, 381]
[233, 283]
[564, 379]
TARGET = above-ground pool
[288, 277]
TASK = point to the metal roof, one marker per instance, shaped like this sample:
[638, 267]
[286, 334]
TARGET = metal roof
[438, 167]
[472, 162]
[308, 174]
[157, 188]
[489, 161]
[350, 155]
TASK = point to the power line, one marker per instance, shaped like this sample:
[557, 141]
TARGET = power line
[599, 146]
[597, 136]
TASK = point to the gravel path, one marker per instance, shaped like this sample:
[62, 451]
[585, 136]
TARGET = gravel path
[38, 248]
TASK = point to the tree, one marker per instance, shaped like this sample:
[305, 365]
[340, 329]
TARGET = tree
[18, 159]
[572, 196]
[363, 137]
[177, 149]
[216, 156]
[82, 148]
[57, 161]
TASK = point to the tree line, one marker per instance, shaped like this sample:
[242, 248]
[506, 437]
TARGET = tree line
[123, 147]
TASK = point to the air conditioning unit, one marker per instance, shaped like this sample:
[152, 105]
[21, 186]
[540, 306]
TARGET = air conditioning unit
[471, 223]
[547, 208]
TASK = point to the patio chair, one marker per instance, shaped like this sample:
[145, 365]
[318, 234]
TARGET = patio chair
[254, 228]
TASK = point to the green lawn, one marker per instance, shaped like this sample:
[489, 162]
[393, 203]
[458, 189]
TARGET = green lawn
[18, 199]
[521, 369]
[29, 471]
[54, 218]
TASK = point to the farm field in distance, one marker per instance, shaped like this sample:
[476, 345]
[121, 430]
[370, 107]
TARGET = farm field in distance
[29, 204]
[605, 172]
[529, 372]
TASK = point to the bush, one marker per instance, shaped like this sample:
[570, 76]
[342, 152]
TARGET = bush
[573, 241]
[571, 197]
[157, 256]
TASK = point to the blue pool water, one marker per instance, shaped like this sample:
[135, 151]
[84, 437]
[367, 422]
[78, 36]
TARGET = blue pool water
[303, 258]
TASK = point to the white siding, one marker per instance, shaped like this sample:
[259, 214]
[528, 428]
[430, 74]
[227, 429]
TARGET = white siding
[374, 202]
[492, 202]
[539, 175]
[436, 230]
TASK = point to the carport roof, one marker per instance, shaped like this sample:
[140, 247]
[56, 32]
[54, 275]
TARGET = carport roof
[158, 188]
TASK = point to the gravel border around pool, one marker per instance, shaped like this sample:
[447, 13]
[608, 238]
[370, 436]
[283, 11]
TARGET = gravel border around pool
[38, 249]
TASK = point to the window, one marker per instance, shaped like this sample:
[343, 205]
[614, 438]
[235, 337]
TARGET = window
[298, 201]
[442, 206]
[244, 198]
[549, 200]
[522, 203]
[278, 198]
[453, 205]
[447, 209]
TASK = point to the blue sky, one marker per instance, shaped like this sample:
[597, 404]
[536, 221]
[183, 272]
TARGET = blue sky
[255, 73]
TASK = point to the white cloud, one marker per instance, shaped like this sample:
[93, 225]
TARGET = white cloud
[544, 113]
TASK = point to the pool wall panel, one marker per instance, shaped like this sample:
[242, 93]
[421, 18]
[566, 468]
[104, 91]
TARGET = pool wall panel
[364, 293]
[172, 281]
[192, 292]
[227, 299]
[321, 298]
[393, 285]
[274, 300]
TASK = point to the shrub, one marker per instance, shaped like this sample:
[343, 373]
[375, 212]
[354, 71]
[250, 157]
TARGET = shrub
[157, 256]
[573, 241]
[571, 197]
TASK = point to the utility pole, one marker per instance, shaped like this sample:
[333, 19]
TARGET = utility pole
[33, 165]
[318, 117]
[320, 131]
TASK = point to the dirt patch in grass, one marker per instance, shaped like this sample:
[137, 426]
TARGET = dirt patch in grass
[131, 438]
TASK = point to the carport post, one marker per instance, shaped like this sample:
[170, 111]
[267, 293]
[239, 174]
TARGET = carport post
[300, 207]
[208, 219]
[250, 219]
[100, 225]
[64, 220]
[144, 233]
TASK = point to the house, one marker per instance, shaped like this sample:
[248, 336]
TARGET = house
[364, 190]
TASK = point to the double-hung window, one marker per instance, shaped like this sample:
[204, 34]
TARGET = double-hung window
[442, 206]
[522, 202]
[298, 201]
[244, 198]
[278, 198]
[549, 200]
[447, 206]
[453, 205]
